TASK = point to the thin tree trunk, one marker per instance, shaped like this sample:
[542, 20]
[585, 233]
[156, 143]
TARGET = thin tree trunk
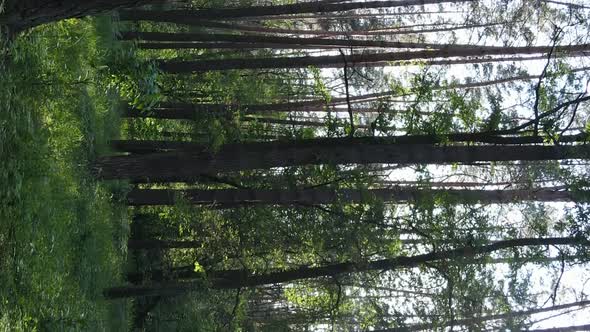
[465, 61]
[237, 197]
[186, 165]
[326, 33]
[152, 146]
[175, 66]
[236, 46]
[176, 244]
[289, 122]
[354, 16]
[564, 329]
[234, 279]
[270, 40]
[187, 17]
[479, 320]
[388, 183]
[187, 272]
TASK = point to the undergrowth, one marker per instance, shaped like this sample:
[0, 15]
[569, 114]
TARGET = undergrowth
[62, 233]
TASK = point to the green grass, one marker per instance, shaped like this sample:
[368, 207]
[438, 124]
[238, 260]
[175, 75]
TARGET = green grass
[62, 233]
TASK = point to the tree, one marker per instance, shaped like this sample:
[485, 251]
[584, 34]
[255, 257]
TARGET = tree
[479, 320]
[329, 234]
[186, 17]
[186, 165]
[24, 14]
[235, 279]
[336, 61]
[275, 41]
[238, 197]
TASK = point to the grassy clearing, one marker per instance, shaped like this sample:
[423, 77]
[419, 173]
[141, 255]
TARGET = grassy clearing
[62, 234]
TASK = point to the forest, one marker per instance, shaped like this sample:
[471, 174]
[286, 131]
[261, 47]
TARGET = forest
[309, 165]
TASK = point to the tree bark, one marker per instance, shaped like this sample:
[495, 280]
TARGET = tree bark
[24, 14]
[289, 122]
[268, 41]
[335, 61]
[187, 165]
[326, 33]
[225, 45]
[237, 197]
[187, 272]
[348, 16]
[187, 17]
[153, 146]
[234, 279]
[479, 320]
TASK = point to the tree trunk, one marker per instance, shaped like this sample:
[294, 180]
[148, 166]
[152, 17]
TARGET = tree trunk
[326, 33]
[335, 61]
[237, 197]
[24, 14]
[152, 146]
[187, 165]
[187, 272]
[462, 61]
[147, 146]
[348, 16]
[226, 45]
[234, 279]
[178, 244]
[268, 41]
[289, 122]
[479, 320]
[187, 17]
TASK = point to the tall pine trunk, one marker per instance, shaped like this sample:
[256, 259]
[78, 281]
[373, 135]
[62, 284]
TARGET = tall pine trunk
[479, 320]
[334, 61]
[187, 17]
[268, 41]
[234, 279]
[237, 197]
[187, 165]
[152, 146]
[319, 33]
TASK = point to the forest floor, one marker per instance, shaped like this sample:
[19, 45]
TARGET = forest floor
[63, 235]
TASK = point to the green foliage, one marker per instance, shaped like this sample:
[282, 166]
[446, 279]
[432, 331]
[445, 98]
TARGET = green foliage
[62, 240]
[495, 118]
[319, 87]
[137, 81]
